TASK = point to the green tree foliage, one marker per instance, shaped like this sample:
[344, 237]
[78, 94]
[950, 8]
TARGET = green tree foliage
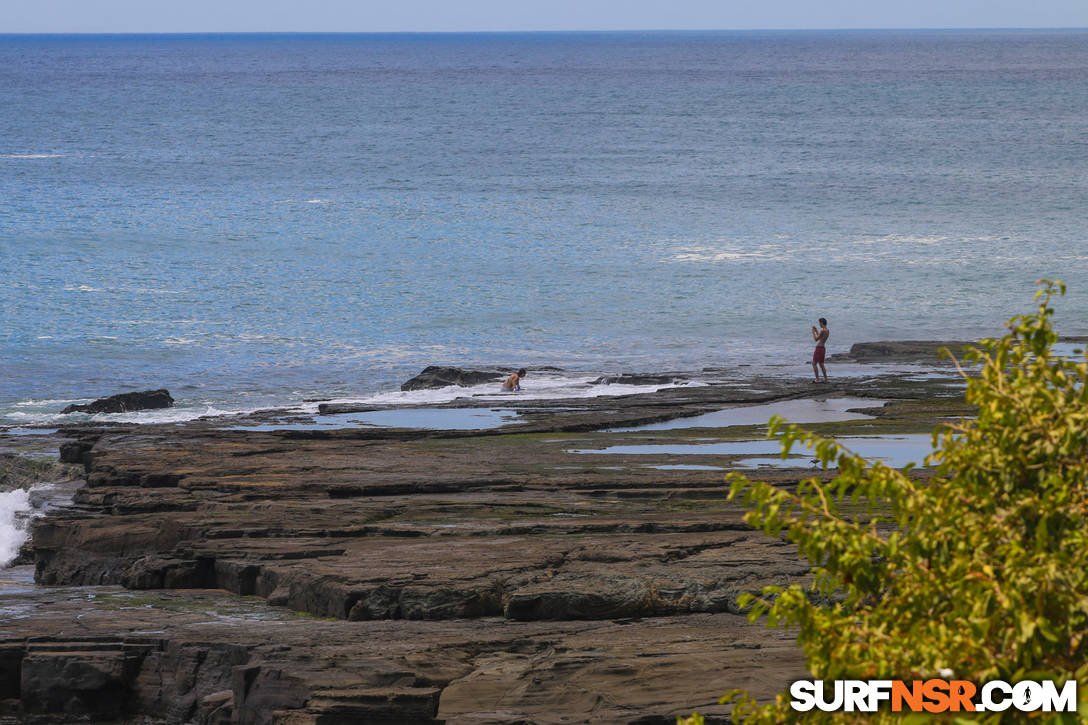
[981, 569]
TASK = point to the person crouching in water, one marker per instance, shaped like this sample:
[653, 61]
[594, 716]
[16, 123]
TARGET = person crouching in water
[514, 381]
[820, 337]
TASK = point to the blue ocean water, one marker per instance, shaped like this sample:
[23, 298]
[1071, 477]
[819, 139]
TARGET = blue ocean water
[256, 219]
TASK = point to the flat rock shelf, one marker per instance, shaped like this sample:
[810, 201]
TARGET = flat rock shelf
[390, 575]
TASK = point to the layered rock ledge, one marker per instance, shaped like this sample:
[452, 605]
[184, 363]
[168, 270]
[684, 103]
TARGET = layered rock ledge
[394, 575]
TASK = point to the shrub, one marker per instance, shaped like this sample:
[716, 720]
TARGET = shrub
[981, 570]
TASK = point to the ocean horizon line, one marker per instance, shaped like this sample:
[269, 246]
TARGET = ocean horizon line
[561, 31]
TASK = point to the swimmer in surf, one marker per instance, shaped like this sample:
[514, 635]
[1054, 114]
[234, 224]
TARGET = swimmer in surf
[820, 337]
[514, 381]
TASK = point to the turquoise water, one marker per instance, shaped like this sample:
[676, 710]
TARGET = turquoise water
[255, 220]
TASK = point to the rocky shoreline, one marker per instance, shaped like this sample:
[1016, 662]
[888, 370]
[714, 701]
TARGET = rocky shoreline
[535, 571]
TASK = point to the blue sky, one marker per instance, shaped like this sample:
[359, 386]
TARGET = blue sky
[157, 16]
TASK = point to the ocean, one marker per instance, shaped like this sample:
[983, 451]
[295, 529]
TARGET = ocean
[256, 220]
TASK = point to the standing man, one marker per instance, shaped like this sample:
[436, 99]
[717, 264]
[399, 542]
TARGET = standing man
[820, 336]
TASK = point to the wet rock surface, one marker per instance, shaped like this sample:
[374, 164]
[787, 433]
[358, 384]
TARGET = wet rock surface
[638, 379]
[926, 351]
[413, 575]
[916, 351]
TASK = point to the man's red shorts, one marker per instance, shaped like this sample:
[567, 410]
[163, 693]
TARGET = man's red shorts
[818, 354]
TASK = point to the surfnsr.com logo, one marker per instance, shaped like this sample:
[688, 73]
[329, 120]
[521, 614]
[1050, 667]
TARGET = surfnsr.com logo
[933, 696]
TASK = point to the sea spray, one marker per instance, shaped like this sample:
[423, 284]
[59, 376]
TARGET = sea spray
[17, 509]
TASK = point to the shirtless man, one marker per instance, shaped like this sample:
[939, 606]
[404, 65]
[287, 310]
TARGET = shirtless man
[820, 336]
[514, 381]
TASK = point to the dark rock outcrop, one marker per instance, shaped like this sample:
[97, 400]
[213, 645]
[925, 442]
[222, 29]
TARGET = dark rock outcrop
[125, 403]
[635, 379]
[436, 376]
[927, 351]
[917, 351]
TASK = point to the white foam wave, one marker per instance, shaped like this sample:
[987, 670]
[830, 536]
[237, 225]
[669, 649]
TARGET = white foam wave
[18, 509]
[906, 239]
[48, 401]
[864, 248]
[537, 386]
[164, 415]
[161, 415]
[152, 291]
[127, 290]
[728, 253]
[33, 156]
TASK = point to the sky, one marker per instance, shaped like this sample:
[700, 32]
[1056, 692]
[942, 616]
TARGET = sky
[186, 16]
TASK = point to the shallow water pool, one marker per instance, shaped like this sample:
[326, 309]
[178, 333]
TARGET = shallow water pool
[807, 410]
[895, 450]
